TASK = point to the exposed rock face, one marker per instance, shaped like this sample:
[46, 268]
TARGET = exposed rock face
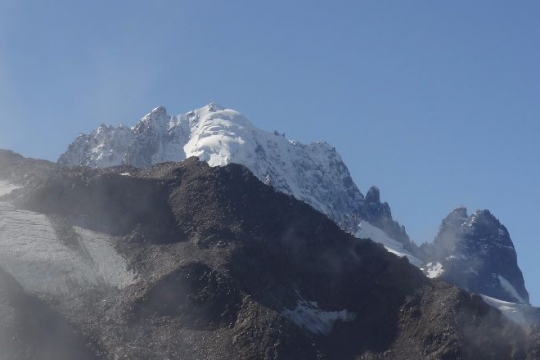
[476, 253]
[239, 271]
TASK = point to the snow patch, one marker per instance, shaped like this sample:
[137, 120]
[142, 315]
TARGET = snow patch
[433, 270]
[6, 187]
[456, 257]
[32, 252]
[310, 317]
[368, 231]
[510, 289]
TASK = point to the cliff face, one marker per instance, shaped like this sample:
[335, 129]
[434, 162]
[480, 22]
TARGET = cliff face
[212, 263]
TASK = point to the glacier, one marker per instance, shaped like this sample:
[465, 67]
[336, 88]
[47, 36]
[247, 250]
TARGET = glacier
[47, 257]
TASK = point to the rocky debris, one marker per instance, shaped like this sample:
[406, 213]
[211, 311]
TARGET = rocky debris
[198, 296]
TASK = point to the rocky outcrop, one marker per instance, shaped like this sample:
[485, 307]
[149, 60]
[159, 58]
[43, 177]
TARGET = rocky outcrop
[476, 253]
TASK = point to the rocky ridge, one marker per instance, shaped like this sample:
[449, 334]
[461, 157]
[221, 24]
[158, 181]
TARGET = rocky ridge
[242, 272]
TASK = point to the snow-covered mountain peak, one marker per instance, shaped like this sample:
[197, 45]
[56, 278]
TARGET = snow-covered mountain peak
[157, 118]
[159, 111]
[214, 107]
[313, 173]
[474, 251]
[215, 119]
[477, 253]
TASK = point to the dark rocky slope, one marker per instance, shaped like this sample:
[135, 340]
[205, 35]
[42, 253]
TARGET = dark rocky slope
[220, 258]
[24, 171]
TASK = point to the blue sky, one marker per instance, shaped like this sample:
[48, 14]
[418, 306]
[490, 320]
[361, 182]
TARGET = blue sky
[435, 102]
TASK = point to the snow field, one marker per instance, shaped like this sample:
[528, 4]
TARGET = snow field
[32, 253]
[310, 317]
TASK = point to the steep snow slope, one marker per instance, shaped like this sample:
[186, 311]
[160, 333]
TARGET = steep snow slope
[313, 173]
